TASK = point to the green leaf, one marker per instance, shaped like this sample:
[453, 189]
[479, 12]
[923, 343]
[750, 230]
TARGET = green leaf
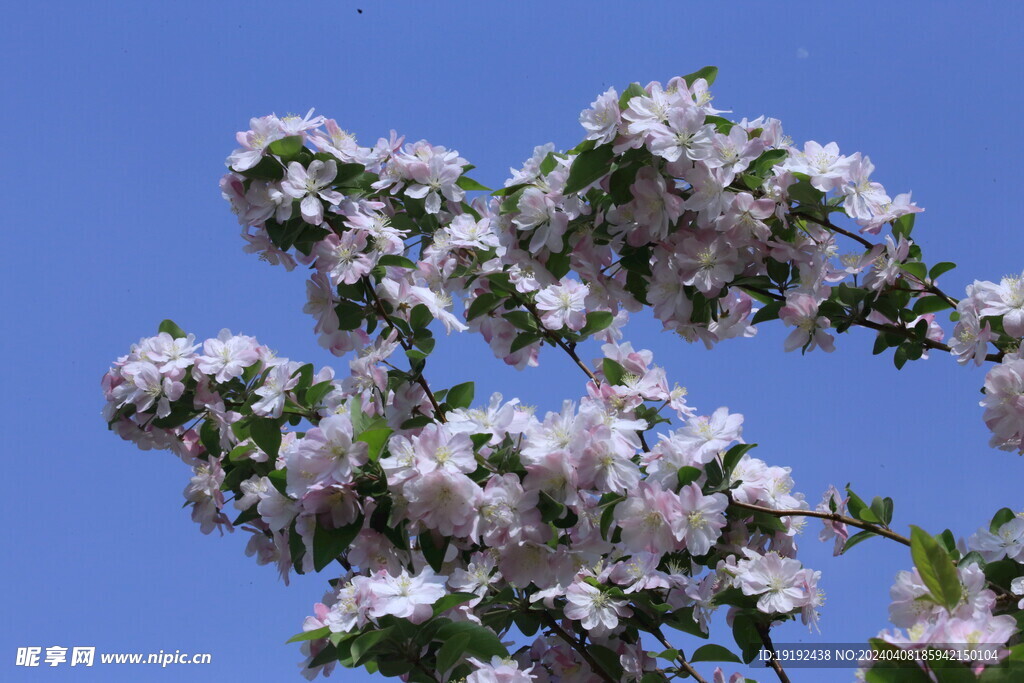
[523, 320]
[763, 165]
[936, 568]
[1002, 516]
[452, 600]
[953, 672]
[452, 651]
[734, 454]
[900, 358]
[352, 175]
[470, 185]
[364, 645]
[171, 328]
[714, 653]
[903, 226]
[460, 396]
[596, 321]
[613, 372]
[522, 340]
[608, 515]
[420, 317]
[549, 163]
[350, 315]
[687, 475]
[748, 638]
[1010, 673]
[321, 632]
[859, 509]
[329, 543]
[396, 260]
[894, 668]
[634, 90]
[558, 265]
[805, 193]
[882, 508]
[768, 312]
[209, 436]
[550, 509]
[930, 304]
[269, 168]
[326, 656]
[682, 619]
[857, 538]
[1002, 572]
[316, 392]
[286, 148]
[433, 551]
[940, 268]
[375, 440]
[768, 522]
[296, 546]
[607, 659]
[588, 167]
[708, 73]
[484, 303]
[483, 642]
[721, 125]
[267, 434]
[915, 268]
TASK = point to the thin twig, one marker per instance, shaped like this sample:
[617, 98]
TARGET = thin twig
[405, 345]
[831, 516]
[766, 639]
[681, 658]
[879, 327]
[825, 223]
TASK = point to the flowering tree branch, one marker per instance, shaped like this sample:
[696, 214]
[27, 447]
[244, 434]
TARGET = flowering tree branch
[445, 513]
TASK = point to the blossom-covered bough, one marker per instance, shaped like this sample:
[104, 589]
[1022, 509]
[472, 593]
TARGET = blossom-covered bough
[481, 541]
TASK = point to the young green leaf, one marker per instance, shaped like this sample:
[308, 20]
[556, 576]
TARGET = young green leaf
[460, 396]
[588, 167]
[936, 568]
[714, 653]
[171, 328]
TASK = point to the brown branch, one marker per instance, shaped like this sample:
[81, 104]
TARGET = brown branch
[825, 223]
[420, 379]
[763, 631]
[681, 658]
[831, 516]
[556, 339]
[879, 327]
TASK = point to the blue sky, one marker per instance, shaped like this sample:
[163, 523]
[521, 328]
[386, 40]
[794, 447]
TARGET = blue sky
[119, 116]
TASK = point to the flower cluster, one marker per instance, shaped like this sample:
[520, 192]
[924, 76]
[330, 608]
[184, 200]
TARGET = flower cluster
[574, 528]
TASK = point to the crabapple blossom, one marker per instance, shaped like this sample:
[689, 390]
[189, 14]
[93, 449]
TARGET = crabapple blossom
[601, 121]
[776, 580]
[406, 596]
[310, 185]
[563, 305]
[801, 312]
[701, 521]
[596, 611]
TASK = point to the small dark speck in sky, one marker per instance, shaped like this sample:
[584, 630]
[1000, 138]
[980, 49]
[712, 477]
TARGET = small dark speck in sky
[360, 11]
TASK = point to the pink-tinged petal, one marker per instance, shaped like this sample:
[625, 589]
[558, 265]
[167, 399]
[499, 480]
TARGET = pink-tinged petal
[312, 210]
[417, 191]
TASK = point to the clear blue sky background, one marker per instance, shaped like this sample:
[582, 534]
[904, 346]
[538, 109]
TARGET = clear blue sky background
[119, 116]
